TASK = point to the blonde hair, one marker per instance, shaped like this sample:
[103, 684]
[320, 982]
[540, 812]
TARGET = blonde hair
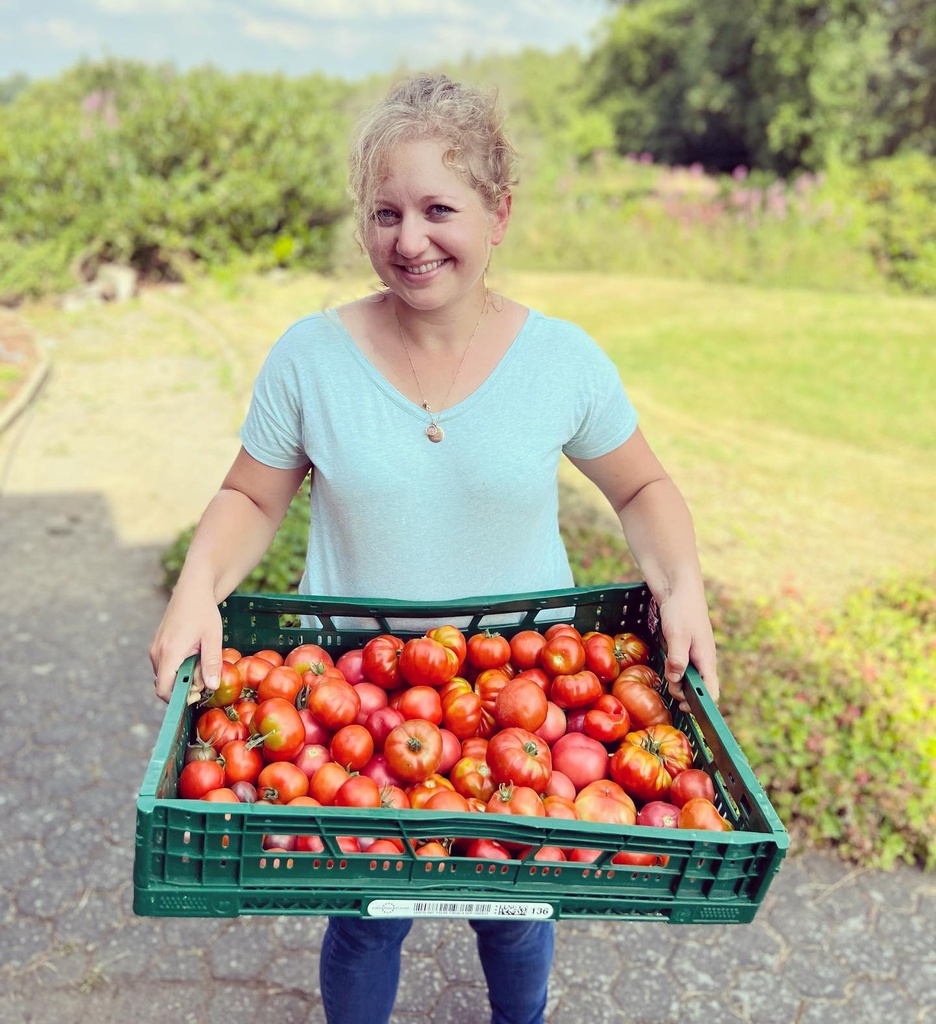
[466, 120]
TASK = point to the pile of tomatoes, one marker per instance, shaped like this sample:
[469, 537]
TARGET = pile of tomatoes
[553, 723]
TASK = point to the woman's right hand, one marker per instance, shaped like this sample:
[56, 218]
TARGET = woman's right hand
[190, 625]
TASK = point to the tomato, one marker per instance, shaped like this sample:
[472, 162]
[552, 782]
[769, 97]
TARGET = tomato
[701, 813]
[380, 660]
[231, 654]
[414, 750]
[670, 744]
[223, 795]
[372, 698]
[420, 701]
[252, 670]
[560, 785]
[605, 801]
[199, 777]
[471, 776]
[326, 782]
[557, 806]
[280, 681]
[229, 688]
[488, 650]
[520, 703]
[580, 757]
[381, 722]
[606, 720]
[426, 662]
[308, 656]
[549, 853]
[562, 629]
[692, 782]
[431, 849]
[446, 800]
[334, 702]
[630, 649]
[420, 792]
[243, 762]
[311, 758]
[517, 756]
[281, 727]
[488, 684]
[451, 750]
[644, 705]
[452, 638]
[304, 801]
[358, 791]
[641, 674]
[640, 771]
[519, 800]
[562, 655]
[555, 724]
[525, 647]
[461, 708]
[542, 679]
[218, 726]
[315, 731]
[281, 782]
[273, 657]
[474, 746]
[352, 746]
[394, 797]
[487, 849]
[385, 847]
[245, 709]
[351, 666]
[200, 750]
[601, 657]
[658, 814]
[577, 690]
[645, 860]
[378, 769]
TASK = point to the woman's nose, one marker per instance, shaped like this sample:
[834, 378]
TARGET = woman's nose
[411, 237]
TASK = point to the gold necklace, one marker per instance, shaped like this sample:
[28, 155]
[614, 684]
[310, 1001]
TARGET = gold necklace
[434, 432]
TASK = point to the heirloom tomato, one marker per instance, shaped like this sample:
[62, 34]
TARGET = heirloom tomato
[525, 647]
[461, 708]
[426, 662]
[431, 849]
[557, 806]
[334, 703]
[487, 849]
[311, 758]
[380, 660]
[471, 776]
[488, 650]
[671, 746]
[644, 705]
[600, 657]
[451, 750]
[414, 750]
[222, 796]
[420, 701]
[488, 684]
[351, 666]
[640, 772]
[560, 785]
[308, 656]
[218, 726]
[640, 674]
[372, 697]
[446, 800]
[605, 801]
[452, 638]
[562, 655]
[420, 792]
[520, 703]
[658, 814]
[252, 670]
[517, 756]
[519, 800]
[701, 813]
[555, 724]
[474, 746]
[562, 629]
[575, 690]
[231, 654]
[381, 722]
[630, 649]
[281, 782]
[692, 782]
[606, 720]
[281, 727]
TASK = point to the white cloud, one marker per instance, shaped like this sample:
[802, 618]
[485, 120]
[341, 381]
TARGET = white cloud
[64, 33]
[369, 10]
[291, 34]
[150, 7]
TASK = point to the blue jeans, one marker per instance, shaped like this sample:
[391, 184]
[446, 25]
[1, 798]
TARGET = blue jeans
[359, 968]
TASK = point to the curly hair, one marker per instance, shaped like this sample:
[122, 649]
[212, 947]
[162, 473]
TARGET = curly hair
[466, 119]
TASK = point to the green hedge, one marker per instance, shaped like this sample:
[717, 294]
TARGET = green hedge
[159, 169]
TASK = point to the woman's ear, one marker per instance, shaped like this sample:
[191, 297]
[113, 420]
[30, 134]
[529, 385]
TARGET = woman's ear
[501, 219]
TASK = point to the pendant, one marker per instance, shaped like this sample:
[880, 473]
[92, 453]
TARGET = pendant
[434, 432]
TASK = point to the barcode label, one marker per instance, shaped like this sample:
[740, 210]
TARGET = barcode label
[458, 908]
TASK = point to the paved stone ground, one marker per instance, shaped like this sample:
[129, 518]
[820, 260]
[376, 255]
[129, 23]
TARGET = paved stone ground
[77, 725]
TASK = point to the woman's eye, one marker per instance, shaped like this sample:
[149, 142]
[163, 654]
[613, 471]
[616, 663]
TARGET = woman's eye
[439, 210]
[384, 216]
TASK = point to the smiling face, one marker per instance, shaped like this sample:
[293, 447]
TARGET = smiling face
[430, 236]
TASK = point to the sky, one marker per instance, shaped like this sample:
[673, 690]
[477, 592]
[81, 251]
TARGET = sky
[344, 38]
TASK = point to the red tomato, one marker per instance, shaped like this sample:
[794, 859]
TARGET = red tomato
[692, 782]
[641, 674]
[380, 660]
[641, 772]
[555, 724]
[431, 849]
[218, 726]
[560, 785]
[488, 650]
[372, 698]
[414, 750]
[487, 849]
[252, 669]
[308, 656]
[471, 776]
[525, 647]
[446, 800]
[488, 684]
[517, 756]
[311, 758]
[562, 655]
[420, 701]
[229, 688]
[630, 649]
[198, 778]
[519, 800]
[420, 792]
[273, 657]
[380, 723]
[281, 681]
[358, 791]
[281, 727]
[701, 813]
[245, 709]
[223, 795]
[562, 629]
[385, 847]
[461, 708]
[452, 638]
[607, 802]
[557, 806]
[231, 654]
[326, 782]
[352, 747]
[351, 666]
[658, 814]
[394, 797]
[646, 860]
[475, 746]
[580, 757]
[644, 705]
[600, 657]
[315, 731]
[520, 703]
[242, 762]
[575, 690]
[606, 720]
[426, 662]
[451, 751]
[378, 769]
[669, 744]
[334, 703]
[281, 782]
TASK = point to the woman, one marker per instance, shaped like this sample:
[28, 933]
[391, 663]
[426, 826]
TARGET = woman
[432, 416]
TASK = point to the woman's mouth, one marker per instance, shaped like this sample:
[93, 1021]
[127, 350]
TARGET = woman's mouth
[425, 268]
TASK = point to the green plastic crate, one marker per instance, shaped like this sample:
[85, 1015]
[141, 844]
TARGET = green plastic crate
[198, 859]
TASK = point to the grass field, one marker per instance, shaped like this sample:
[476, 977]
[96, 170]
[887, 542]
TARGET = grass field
[800, 425]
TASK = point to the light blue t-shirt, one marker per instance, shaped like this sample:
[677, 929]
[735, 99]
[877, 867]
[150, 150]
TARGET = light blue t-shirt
[395, 516]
